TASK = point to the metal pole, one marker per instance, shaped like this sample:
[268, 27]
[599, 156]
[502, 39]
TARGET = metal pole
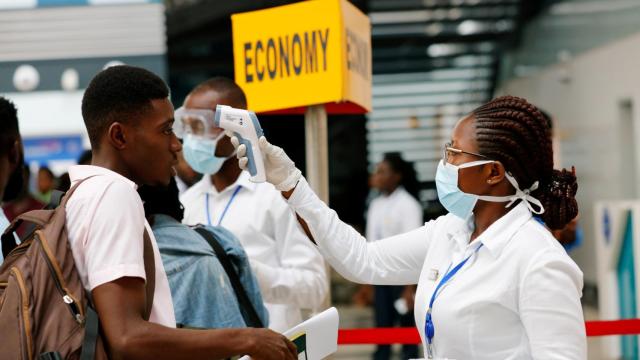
[317, 153]
[317, 156]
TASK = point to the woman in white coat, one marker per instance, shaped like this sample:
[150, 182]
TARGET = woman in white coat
[493, 283]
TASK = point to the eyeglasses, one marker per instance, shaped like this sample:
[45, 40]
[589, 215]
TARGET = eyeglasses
[448, 150]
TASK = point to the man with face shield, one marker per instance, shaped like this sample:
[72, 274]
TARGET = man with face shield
[290, 271]
[11, 157]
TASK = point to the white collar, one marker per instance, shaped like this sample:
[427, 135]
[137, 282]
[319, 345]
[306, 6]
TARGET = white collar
[497, 236]
[79, 172]
[205, 186]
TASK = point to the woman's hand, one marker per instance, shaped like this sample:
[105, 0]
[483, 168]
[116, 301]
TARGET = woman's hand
[280, 170]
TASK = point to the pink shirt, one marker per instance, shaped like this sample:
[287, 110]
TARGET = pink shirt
[105, 223]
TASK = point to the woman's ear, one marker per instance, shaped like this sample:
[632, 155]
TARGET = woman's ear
[496, 173]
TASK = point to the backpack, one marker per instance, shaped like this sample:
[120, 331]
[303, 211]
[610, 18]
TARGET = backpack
[45, 311]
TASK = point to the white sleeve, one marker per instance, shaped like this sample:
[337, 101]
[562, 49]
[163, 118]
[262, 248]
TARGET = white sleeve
[392, 261]
[114, 245]
[301, 278]
[550, 307]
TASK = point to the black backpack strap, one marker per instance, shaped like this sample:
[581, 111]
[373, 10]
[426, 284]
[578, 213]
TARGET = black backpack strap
[249, 314]
[150, 272]
[91, 329]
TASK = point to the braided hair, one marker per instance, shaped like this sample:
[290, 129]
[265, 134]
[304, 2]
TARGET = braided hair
[516, 133]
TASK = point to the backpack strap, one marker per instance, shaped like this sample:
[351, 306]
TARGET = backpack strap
[91, 332]
[150, 271]
[249, 314]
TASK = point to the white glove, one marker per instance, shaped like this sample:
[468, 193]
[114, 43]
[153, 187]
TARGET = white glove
[279, 169]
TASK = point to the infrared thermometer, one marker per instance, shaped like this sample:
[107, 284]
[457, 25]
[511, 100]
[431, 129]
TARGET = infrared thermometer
[245, 126]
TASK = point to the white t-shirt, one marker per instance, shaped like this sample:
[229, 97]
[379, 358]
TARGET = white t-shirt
[288, 267]
[105, 223]
[393, 214]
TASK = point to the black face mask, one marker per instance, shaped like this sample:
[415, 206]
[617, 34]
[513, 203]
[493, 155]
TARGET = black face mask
[15, 183]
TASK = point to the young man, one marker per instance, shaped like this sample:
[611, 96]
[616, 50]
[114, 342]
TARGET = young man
[129, 119]
[11, 158]
[290, 270]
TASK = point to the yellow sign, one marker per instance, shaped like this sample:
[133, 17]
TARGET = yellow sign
[313, 52]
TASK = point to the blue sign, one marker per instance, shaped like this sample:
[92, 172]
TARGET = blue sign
[45, 149]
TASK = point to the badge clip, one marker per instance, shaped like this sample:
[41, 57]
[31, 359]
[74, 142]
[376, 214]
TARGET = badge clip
[433, 274]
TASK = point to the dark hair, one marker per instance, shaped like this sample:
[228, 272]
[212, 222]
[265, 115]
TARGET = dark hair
[120, 93]
[516, 133]
[547, 118]
[9, 131]
[64, 182]
[162, 200]
[227, 89]
[406, 170]
[85, 158]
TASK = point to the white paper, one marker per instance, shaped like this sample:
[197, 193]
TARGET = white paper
[320, 334]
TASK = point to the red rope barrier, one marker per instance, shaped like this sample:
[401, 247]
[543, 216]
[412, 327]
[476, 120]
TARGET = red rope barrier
[613, 327]
[386, 336]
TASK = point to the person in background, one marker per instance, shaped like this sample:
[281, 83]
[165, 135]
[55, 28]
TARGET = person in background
[11, 158]
[202, 294]
[23, 203]
[290, 270]
[395, 211]
[46, 184]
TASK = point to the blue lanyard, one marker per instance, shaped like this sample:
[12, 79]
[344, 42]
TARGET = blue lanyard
[224, 212]
[429, 329]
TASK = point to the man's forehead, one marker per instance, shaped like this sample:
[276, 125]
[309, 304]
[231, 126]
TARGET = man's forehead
[208, 99]
[204, 99]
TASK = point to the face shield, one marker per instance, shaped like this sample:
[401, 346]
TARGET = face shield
[195, 122]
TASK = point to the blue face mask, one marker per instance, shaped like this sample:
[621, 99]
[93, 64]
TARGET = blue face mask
[462, 204]
[200, 154]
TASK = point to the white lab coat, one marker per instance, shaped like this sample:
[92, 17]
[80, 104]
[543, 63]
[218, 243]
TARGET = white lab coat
[518, 297]
[290, 270]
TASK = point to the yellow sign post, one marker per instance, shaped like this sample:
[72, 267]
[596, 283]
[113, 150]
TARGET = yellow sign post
[312, 57]
[312, 52]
